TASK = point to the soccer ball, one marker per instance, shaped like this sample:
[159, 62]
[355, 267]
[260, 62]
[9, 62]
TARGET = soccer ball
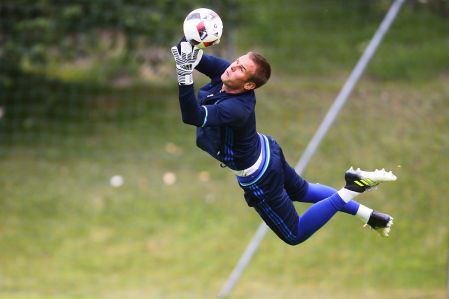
[203, 28]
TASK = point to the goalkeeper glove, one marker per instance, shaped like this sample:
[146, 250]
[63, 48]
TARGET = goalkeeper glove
[186, 58]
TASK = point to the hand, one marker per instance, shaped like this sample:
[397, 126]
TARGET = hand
[186, 47]
[186, 59]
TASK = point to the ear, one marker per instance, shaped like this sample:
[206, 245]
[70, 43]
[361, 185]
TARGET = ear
[249, 85]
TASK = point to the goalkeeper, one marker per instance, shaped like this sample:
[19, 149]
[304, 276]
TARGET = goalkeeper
[224, 114]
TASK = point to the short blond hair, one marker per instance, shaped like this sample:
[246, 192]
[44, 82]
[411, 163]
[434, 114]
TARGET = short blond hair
[263, 69]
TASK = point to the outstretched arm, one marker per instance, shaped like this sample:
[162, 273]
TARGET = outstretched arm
[192, 112]
[212, 66]
[186, 58]
[232, 111]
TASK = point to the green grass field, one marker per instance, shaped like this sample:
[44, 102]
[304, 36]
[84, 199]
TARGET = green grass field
[66, 233]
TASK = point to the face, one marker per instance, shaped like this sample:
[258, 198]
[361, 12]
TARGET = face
[236, 77]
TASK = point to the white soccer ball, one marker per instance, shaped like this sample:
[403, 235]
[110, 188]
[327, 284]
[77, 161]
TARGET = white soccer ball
[203, 28]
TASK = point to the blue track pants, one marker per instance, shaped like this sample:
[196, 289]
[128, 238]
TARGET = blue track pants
[273, 194]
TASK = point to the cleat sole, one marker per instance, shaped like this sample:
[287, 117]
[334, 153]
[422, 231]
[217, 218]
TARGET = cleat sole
[377, 175]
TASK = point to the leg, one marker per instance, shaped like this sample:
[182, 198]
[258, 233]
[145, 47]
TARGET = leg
[319, 214]
[314, 193]
[318, 192]
[272, 201]
[280, 215]
[295, 186]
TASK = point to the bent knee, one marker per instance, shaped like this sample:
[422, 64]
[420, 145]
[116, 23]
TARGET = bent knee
[292, 241]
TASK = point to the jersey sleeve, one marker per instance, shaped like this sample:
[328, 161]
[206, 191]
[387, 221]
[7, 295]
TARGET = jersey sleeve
[232, 112]
[192, 113]
[212, 66]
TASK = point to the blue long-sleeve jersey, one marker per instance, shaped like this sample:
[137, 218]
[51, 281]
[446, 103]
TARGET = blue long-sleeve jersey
[226, 123]
[226, 129]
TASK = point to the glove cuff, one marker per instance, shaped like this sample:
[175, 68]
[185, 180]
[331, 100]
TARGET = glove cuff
[185, 79]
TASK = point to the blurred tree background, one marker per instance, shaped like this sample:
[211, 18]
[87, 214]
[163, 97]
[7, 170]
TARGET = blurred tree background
[50, 47]
[53, 51]
[88, 92]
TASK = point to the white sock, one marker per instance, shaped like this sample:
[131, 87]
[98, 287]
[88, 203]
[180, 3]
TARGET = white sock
[346, 194]
[364, 213]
